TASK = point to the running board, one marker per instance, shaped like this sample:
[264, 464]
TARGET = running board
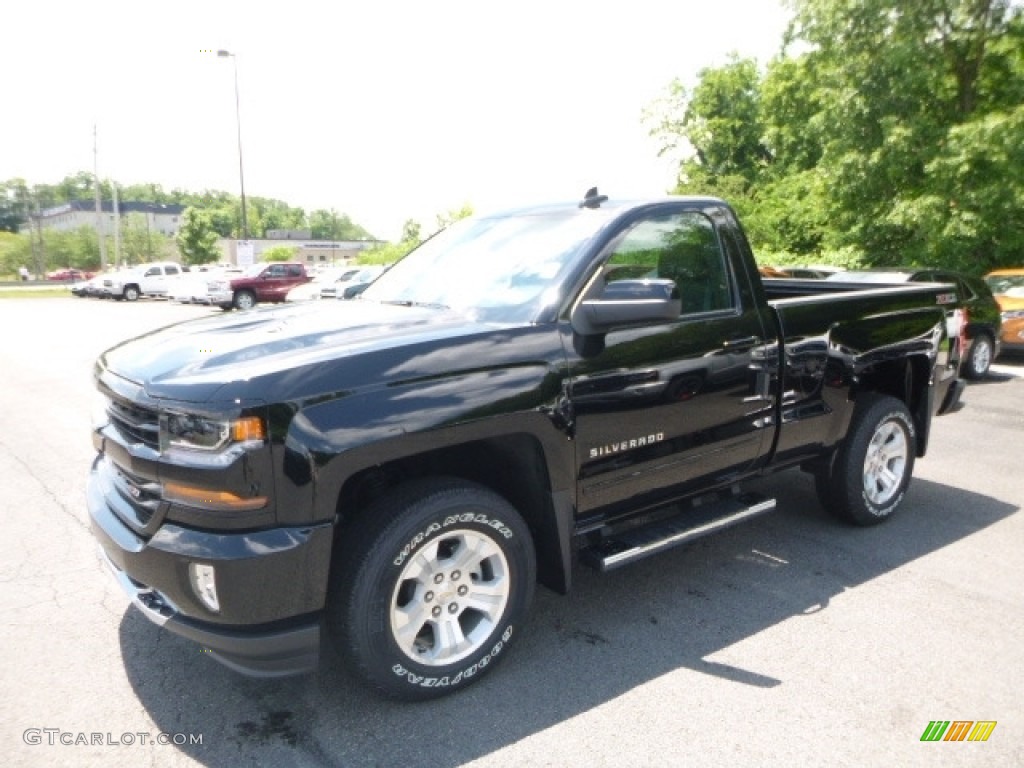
[626, 547]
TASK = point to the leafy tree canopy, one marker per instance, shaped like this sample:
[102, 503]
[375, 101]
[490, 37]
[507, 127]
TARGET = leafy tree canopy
[892, 135]
[197, 240]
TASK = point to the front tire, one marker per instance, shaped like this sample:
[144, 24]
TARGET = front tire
[131, 293]
[980, 359]
[244, 300]
[873, 468]
[429, 586]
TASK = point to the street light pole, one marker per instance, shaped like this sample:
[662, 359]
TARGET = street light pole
[238, 121]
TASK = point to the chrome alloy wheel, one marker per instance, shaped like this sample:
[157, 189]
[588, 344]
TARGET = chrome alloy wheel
[885, 462]
[450, 597]
[981, 356]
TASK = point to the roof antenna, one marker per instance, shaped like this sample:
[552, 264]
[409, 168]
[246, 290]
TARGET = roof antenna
[592, 199]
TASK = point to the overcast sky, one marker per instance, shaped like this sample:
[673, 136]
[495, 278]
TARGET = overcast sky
[385, 110]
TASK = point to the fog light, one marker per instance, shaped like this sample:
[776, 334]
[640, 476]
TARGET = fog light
[204, 584]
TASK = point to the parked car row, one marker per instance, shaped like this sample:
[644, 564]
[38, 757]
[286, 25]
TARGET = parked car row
[68, 274]
[228, 287]
[153, 279]
[338, 283]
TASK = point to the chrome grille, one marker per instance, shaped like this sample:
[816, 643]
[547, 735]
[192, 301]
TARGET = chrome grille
[142, 495]
[136, 425]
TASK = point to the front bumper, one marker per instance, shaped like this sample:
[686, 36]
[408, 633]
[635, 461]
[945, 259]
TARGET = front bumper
[220, 297]
[271, 585]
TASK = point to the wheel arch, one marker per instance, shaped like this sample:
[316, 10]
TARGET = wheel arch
[514, 466]
[909, 380]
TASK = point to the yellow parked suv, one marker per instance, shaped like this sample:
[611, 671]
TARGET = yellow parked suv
[1008, 287]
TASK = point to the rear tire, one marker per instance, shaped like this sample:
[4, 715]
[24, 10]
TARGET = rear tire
[980, 359]
[873, 468]
[428, 587]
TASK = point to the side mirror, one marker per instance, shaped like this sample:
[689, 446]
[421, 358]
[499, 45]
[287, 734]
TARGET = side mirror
[627, 302]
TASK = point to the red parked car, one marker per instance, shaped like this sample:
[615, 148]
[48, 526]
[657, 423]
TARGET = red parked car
[69, 274]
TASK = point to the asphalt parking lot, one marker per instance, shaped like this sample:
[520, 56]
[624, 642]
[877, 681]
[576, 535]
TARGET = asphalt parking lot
[792, 640]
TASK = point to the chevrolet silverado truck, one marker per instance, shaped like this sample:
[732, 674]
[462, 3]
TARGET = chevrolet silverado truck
[585, 383]
[154, 279]
[258, 283]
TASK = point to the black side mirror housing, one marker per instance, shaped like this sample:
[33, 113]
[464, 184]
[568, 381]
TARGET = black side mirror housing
[627, 302]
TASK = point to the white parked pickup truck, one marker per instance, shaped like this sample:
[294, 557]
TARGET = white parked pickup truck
[153, 279]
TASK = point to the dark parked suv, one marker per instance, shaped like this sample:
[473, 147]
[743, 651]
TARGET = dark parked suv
[983, 321]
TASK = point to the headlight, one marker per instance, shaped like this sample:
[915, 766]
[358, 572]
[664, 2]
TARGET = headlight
[197, 433]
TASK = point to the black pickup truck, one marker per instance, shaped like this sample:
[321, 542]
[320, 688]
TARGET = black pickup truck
[584, 382]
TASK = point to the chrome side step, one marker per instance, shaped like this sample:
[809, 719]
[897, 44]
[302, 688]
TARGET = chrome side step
[619, 549]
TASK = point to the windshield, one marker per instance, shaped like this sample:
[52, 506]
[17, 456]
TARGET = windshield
[330, 275]
[1004, 284]
[504, 269]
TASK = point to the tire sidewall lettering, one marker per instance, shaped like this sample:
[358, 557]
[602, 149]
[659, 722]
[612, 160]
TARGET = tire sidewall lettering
[446, 681]
[469, 517]
[898, 418]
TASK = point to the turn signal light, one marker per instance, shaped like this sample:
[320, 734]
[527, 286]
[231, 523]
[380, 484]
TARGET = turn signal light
[204, 498]
[249, 428]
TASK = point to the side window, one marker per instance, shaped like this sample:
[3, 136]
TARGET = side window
[294, 271]
[275, 271]
[968, 293]
[172, 270]
[682, 247]
[152, 271]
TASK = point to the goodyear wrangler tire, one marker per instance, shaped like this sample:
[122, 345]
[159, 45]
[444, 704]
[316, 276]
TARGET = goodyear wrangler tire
[429, 587]
[873, 468]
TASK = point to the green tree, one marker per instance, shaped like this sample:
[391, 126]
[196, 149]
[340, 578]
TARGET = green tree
[891, 137]
[138, 243]
[15, 252]
[197, 240]
[896, 83]
[15, 204]
[389, 253]
[718, 124]
[446, 219]
[411, 232]
[279, 253]
[331, 225]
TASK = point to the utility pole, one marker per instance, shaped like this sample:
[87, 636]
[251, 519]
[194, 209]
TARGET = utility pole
[117, 224]
[38, 256]
[99, 204]
[238, 123]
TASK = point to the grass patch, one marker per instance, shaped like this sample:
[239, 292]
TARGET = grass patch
[33, 293]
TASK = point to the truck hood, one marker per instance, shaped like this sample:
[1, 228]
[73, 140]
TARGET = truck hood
[194, 360]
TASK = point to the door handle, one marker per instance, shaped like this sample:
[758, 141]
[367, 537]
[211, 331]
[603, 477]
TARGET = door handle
[746, 342]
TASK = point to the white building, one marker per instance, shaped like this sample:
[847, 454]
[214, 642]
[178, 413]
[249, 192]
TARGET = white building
[310, 251]
[162, 218]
